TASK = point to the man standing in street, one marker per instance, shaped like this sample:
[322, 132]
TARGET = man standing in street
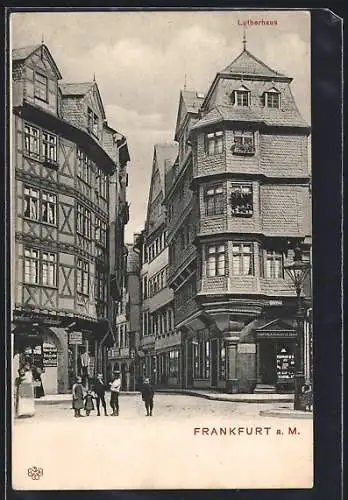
[147, 394]
[99, 389]
[115, 387]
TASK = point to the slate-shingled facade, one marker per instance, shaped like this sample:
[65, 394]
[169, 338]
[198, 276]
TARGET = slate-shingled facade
[237, 203]
[69, 211]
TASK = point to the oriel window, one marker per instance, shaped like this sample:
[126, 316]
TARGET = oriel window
[214, 200]
[242, 259]
[41, 87]
[214, 143]
[216, 265]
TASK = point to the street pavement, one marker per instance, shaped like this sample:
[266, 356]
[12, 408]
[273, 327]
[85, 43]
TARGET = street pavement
[188, 443]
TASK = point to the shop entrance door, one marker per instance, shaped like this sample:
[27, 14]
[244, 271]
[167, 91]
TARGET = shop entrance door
[268, 364]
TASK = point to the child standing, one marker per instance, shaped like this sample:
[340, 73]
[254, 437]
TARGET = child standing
[89, 405]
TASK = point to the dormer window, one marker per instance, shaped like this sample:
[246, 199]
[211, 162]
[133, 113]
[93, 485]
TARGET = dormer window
[242, 96]
[272, 98]
[93, 123]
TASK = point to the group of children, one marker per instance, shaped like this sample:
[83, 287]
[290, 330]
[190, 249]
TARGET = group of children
[82, 399]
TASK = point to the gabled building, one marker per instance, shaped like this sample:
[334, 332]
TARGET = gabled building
[158, 338]
[237, 205]
[68, 170]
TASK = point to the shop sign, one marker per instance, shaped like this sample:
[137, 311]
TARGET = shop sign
[75, 338]
[285, 365]
[50, 356]
[276, 334]
[246, 348]
[275, 303]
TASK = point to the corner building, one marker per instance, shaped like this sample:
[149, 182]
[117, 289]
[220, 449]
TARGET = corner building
[238, 202]
[68, 170]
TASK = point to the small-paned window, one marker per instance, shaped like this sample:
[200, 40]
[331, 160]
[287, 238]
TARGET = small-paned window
[216, 265]
[214, 143]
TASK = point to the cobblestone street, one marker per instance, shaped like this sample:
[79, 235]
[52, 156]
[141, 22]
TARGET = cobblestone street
[169, 450]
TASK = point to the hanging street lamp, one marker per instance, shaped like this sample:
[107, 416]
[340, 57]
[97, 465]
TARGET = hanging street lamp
[298, 271]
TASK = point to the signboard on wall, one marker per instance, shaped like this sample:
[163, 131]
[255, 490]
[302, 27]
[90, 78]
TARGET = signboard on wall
[246, 348]
[50, 355]
[75, 338]
[285, 365]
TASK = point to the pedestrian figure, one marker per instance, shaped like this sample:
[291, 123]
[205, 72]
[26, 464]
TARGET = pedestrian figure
[24, 399]
[77, 394]
[147, 394]
[115, 387]
[38, 387]
[89, 405]
[99, 389]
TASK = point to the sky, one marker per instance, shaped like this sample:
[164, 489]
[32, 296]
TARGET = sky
[141, 60]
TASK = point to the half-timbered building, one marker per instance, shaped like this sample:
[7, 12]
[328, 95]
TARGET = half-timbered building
[68, 176]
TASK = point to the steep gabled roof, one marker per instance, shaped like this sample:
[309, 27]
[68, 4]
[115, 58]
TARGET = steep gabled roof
[192, 99]
[166, 154]
[247, 64]
[22, 53]
[80, 90]
[189, 102]
[75, 89]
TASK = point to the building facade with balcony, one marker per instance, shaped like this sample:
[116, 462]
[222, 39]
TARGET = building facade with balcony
[159, 345]
[237, 204]
[66, 172]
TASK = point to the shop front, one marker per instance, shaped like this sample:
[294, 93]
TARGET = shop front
[275, 360]
[45, 350]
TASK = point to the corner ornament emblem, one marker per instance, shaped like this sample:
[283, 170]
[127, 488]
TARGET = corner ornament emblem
[35, 473]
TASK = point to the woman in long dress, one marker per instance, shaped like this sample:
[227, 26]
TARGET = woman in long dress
[25, 406]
